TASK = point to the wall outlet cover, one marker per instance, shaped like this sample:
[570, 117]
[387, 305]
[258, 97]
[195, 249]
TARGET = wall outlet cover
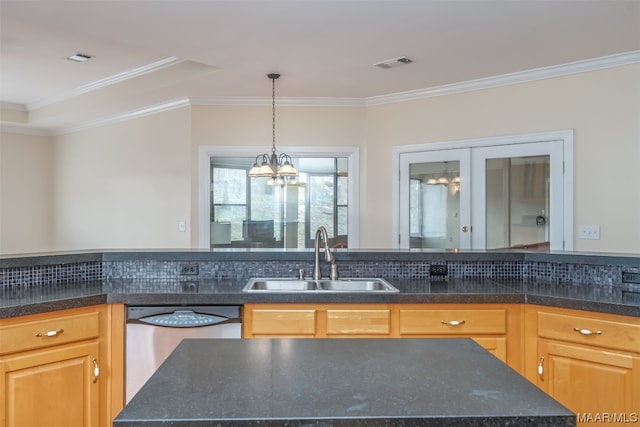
[438, 270]
[630, 277]
[188, 269]
[591, 232]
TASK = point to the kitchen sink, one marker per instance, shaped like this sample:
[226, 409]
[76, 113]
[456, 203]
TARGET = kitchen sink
[369, 285]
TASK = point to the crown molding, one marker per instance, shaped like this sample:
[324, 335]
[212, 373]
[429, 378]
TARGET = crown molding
[280, 102]
[108, 81]
[587, 65]
[134, 114]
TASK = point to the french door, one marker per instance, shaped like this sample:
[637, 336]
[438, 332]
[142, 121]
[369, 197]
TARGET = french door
[499, 195]
[435, 206]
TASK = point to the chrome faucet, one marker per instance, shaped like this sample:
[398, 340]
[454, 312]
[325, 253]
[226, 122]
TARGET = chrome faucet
[321, 233]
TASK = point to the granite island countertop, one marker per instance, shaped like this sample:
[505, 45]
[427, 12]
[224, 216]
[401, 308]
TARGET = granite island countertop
[623, 300]
[347, 382]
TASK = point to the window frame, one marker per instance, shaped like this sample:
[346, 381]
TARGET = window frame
[206, 152]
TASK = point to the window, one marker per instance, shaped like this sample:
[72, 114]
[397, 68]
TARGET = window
[256, 213]
[229, 200]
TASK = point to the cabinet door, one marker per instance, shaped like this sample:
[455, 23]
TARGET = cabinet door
[51, 388]
[591, 382]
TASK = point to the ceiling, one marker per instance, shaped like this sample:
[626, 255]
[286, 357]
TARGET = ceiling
[151, 52]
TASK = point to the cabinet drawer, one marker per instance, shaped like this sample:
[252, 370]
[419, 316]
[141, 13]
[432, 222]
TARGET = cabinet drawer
[452, 322]
[358, 322]
[48, 332]
[585, 330]
[283, 322]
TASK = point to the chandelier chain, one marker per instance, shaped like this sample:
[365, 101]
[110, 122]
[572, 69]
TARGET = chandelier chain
[273, 114]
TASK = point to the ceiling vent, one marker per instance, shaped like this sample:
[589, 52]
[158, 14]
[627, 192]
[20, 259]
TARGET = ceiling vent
[390, 63]
[79, 57]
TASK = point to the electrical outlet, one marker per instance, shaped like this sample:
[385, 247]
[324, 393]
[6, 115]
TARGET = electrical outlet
[189, 269]
[630, 277]
[591, 232]
[438, 270]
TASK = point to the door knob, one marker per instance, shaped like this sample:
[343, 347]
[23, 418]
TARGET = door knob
[465, 228]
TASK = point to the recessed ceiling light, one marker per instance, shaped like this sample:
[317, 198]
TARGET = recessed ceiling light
[80, 57]
[390, 63]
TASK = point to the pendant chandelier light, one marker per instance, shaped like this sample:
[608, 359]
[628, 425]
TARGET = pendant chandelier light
[277, 167]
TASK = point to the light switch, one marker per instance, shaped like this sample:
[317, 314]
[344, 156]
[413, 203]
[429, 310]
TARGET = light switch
[182, 226]
[591, 232]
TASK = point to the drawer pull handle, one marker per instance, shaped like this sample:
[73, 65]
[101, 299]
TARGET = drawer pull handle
[541, 367]
[587, 331]
[96, 369]
[50, 333]
[452, 322]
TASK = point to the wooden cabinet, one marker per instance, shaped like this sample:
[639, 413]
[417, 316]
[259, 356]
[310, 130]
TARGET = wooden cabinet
[273, 321]
[316, 320]
[589, 362]
[495, 327]
[53, 387]
[55, 368]
[351, 321]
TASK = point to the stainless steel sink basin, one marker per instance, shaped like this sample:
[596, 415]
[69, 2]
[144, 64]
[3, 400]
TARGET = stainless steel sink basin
[356, 285]
[280, 285]
[368, 285]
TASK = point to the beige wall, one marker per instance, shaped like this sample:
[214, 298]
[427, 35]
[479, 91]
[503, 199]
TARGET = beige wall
[295, 127]
[26, 193]
[603, 107]
[127, 185]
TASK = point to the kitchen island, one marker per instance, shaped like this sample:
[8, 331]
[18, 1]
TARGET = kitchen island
[345, 382]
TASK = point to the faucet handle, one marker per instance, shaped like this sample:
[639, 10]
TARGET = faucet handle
[301, 273]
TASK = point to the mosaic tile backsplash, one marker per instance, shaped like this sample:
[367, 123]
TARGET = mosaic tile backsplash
[170, 270]
[51, 274]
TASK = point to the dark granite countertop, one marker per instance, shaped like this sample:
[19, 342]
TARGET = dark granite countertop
[346, 382]
[624, 300]
[244, 255]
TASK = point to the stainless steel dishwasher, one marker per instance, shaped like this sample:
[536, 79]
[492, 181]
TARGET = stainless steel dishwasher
[152, 333]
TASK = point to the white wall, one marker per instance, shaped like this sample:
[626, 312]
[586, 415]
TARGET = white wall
[26, 193]
[126, 185]
[602, 106]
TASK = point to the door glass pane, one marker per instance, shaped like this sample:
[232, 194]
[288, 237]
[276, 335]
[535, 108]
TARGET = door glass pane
[517, 202]
[434, 198]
